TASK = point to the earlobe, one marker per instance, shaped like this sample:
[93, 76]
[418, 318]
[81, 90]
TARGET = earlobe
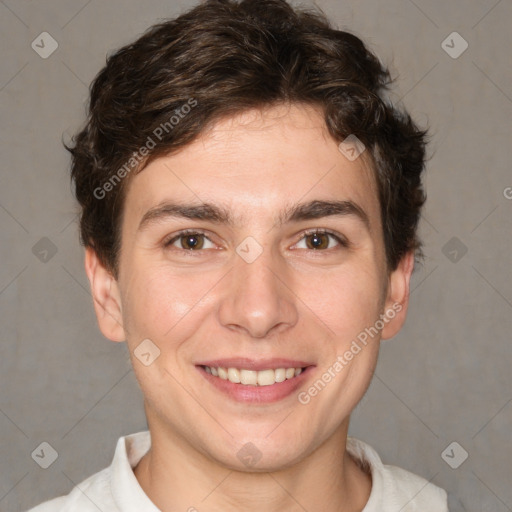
[397, 301]
[106, 297]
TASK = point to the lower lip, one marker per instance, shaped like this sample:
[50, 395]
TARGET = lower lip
[257, 394]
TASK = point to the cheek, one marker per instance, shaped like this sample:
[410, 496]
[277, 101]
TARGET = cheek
[163, 307]
[158, 300]
[347, 301]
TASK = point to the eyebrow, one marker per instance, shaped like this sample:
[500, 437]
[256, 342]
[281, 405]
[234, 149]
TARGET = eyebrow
[315, 209]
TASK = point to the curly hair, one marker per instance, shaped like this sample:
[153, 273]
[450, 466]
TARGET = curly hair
[220, 58]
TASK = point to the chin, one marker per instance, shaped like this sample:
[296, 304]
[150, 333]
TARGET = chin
[259, 453]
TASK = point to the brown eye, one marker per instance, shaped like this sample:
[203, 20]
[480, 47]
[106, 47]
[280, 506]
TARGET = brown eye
[190, 241]
[321, 240]
[317, 241]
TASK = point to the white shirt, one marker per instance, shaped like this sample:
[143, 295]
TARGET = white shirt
[115, 489]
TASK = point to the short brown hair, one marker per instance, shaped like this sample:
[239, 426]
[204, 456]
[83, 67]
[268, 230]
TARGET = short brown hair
[219, 59]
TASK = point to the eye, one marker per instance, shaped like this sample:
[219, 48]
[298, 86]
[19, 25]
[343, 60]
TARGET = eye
[320, 239]
[190, 240]
[315, 239]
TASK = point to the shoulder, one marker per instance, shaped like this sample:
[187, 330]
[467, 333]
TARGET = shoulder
[109, 487]
[394, 488]
[414, 492]
[91, 495]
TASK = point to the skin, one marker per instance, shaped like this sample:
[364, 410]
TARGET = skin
[293, 301]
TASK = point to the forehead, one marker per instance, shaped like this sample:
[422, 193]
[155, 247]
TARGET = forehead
[257, 162]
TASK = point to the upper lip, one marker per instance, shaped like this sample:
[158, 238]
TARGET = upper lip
[254, 364]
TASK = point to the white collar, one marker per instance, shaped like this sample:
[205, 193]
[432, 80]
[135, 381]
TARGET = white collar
[390, 485]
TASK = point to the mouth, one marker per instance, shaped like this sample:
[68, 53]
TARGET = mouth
[258, 382]
[246, 377]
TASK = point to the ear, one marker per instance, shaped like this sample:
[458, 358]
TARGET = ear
[106, 297]
[397, 300]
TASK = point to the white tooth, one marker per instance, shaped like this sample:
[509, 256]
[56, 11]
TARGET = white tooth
[280, 374]
[249, 377]
[290, 372]
[266, 378]
[252, 377]
[234, 375]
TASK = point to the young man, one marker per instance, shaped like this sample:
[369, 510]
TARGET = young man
[249, 210]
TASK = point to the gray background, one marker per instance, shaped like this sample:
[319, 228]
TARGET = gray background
[446, 377]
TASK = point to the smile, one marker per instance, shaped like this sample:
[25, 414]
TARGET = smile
[266, 377]
[256, 382]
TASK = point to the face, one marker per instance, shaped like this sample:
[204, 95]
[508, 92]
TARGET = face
[283, 269]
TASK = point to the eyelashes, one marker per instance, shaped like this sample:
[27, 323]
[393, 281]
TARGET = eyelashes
[193, 240]
[190, 234]
[342, 241]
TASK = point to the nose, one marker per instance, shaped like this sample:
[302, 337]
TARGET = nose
[258, 298]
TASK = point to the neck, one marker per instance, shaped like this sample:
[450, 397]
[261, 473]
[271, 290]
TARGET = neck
[175, 476]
